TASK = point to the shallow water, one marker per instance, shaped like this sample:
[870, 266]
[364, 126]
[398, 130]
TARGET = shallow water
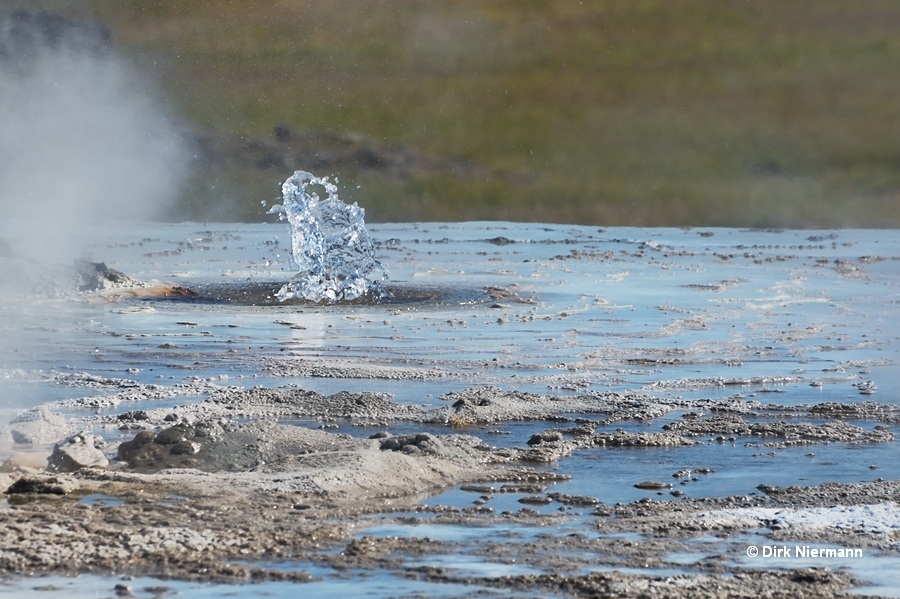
[616, 313]
[91, 586]
[881, 572]
[783, 317]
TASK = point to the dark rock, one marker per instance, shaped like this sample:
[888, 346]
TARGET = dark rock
[129, 449]
[122, 590]
[203, 445]
[136, 415]
[173, 435]
[652, 485]
[41, 485]
[545, 437]
[418, 443]
[185, 448]
[535, 500]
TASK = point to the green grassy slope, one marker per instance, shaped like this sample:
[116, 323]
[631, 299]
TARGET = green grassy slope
[644, 112]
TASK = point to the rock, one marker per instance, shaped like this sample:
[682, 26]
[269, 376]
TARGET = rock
[545, 437]
[652, 485]
[42, 485]
[97, 276]
[173, 435]
[129, 449]
[574, 500]
[202, 445]
[626, 439]
[535, 500]
[418, 443]
[866, 388]
[81, 450]
[134, 416]
[123, 590]
[185, 448]
[37, 426]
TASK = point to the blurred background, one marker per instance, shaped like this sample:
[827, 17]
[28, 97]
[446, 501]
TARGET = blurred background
[758, 113]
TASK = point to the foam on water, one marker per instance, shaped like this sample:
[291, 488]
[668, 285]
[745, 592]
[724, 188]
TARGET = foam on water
[329, 244]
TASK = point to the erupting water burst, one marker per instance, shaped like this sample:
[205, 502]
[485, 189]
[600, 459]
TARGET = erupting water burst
[329, 244]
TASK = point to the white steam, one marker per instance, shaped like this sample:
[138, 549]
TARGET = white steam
[82, 138]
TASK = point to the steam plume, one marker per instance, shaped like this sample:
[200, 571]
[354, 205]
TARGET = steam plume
[81, 137]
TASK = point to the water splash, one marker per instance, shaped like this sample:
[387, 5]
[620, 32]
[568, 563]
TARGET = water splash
[329, 243]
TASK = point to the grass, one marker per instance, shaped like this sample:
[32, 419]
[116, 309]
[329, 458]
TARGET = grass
[646, 112]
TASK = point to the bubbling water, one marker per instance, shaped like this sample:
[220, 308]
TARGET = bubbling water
[329, 244]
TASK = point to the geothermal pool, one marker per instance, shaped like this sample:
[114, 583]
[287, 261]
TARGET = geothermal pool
[774, 321]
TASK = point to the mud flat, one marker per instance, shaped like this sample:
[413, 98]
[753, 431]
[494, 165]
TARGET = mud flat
[571, 412]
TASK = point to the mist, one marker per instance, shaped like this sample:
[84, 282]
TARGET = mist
[83, 138]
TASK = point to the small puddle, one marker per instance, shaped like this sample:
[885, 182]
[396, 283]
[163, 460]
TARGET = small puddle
[100, 500]
[456, 533]
[474, 566]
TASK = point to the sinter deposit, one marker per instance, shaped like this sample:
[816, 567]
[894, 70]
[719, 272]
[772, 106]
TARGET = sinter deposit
[575, 412]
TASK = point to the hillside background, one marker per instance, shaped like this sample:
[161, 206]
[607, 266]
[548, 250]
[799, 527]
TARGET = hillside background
[760, 113]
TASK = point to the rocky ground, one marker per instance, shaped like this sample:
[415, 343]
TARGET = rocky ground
[204, 491]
